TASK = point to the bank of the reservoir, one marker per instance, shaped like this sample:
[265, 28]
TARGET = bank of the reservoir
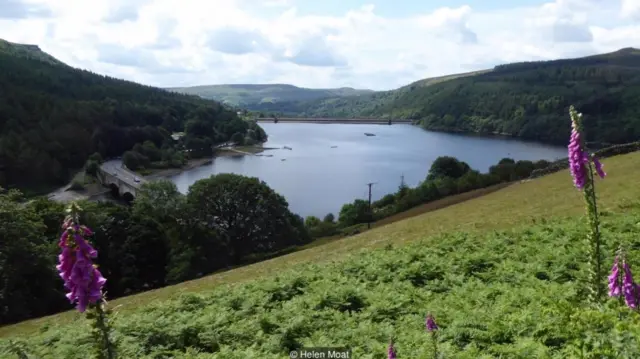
[320, 167]
[94, 191]
[364, 121]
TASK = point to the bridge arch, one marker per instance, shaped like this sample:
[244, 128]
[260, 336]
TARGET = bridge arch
[115, 190]
[128, 197]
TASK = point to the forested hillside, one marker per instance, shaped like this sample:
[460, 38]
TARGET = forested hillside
[257, 97]
[527, 100]
[53, 116]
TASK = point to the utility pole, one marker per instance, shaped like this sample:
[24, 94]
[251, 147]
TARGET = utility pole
[370, 217]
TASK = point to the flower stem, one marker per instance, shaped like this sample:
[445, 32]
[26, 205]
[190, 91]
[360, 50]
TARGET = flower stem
[593, 238]
[435, 344]
[105, 349]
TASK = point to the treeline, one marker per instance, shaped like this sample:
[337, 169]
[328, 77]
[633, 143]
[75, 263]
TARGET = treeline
[148, 155]
[530, 101]
[165, 237]
[601, 153]
[52, 117]
[195, 143]
[447, 176]
[525, 100]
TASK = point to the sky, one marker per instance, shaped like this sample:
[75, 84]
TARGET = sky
[375, 44]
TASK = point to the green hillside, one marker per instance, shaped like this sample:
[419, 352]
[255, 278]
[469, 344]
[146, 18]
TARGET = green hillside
[352, 106]
[53, 116]
[526, 100]
[502, 274]
[253, 97]
[27, 51]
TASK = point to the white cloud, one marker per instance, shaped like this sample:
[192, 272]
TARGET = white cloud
[630, 9]
[162, 43]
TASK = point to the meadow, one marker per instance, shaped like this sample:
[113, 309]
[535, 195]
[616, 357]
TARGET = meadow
[502, 274]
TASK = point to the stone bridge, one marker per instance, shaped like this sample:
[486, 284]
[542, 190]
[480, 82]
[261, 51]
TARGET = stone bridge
[121, 181]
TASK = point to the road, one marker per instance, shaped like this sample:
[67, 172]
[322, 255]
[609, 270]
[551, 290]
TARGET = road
[115, 167]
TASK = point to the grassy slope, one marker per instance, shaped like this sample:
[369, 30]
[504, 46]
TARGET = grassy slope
[254, 94]
[550, 197]
[494, 293]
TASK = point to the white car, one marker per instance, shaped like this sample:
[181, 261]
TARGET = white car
[136, 179]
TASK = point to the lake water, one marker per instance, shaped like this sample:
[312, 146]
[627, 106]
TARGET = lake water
[330, 164]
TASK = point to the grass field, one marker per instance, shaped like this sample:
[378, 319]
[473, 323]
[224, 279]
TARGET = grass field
[494, 293]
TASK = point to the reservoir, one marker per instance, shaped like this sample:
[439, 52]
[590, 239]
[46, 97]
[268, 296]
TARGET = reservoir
[329, 165]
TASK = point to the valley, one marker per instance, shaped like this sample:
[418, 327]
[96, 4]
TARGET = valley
[530, 218]
[271, 217]
[525, 100]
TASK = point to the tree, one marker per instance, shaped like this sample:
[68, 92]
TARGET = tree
[446, 186]
[194, 250]
[159, 200]
[131, 160]
[249, 141]
[30, 287]
[504, 170]
[447, 166]
[523, 169]
[237, 138]
[329, 218]
[198, 128]
[354, 213]
[132, 249]
[91, 168]
[75, 114]
[541, 164]
[198, 147]
[507, 160]
[150, 150]
[388, 199]
[469, 181]
[318, 228]
[97, 157]
[246, 211]
[312, 221]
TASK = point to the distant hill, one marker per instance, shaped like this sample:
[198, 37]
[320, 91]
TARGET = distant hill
[252, 96]
[528, 100]
[53, 116]
[352, 106]
[27, 51]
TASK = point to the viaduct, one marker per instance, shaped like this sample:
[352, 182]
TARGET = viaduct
[121, 181]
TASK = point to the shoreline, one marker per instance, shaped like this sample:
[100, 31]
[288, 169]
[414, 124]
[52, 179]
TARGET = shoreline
[199, 162]
[169, 172]
[91, 191]
[356, 121]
